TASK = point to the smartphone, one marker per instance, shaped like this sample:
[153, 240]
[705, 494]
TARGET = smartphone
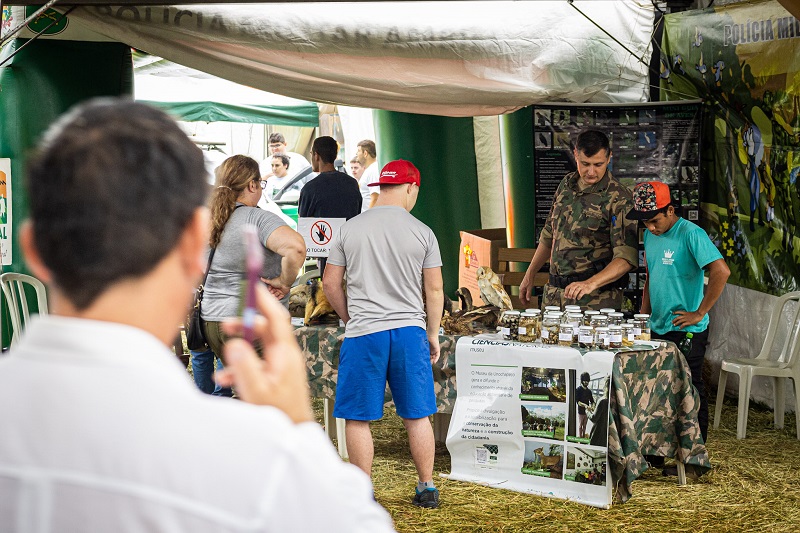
[254, 262]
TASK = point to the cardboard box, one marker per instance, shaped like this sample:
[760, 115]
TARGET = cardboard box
[478, 248]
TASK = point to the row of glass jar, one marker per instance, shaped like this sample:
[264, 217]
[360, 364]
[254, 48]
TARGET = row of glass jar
[592, 329]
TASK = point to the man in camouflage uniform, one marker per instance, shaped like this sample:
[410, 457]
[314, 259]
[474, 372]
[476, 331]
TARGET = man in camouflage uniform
[587, 239]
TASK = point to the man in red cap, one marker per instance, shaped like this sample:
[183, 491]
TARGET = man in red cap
[389, 256]
[676, 253]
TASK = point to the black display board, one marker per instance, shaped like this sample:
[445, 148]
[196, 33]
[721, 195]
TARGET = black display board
[650, 141]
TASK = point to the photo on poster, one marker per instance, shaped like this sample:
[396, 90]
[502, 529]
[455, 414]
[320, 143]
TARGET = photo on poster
[605, 118]
[628, 140]
[562, 141]
[544, 140]
[669, 175]
[690, 197]
[625, 162]
[544, 421]
[561, 118]
[542, 118]
[543, 384]
[647, 116]
[648, 140]
[689, 174]
[584, 118]
[588, 410]
[543, 459]
[691, 154]
[584, 465]
[628, 117]
[673, 153]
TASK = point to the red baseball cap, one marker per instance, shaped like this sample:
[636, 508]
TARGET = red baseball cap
[648, 198]
[398, 172]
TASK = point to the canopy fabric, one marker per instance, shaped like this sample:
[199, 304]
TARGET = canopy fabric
[192, 95]
[206, 111]
[442, 58]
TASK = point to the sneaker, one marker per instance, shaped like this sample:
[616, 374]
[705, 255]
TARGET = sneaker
[428, 498]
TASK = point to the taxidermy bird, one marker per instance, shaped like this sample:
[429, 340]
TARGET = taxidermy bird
[465, 297]
[492, 291]
[470, 320]
[319, 311]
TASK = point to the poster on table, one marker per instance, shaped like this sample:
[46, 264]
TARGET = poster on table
[5, 210]
[649, 142]
[532, 419]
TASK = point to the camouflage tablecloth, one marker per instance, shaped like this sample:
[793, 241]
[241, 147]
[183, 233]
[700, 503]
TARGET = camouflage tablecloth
[653, 404]
[320, 345]
[654, 409]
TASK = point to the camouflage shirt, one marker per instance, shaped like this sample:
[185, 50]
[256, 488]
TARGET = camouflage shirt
[588, 226]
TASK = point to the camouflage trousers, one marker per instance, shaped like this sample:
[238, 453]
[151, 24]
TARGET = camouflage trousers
[596, 300]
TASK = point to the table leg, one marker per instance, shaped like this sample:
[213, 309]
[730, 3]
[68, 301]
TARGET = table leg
[681, 473]
[334, 427]
[341, 440]
[327, 418]
[441, 423]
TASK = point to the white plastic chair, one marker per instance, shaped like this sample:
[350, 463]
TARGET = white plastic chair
[787, 365]
[13, 286]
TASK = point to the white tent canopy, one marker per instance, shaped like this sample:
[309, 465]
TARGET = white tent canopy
[443, 58]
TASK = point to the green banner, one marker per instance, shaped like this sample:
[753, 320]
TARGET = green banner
[304, 116]
[744, 61]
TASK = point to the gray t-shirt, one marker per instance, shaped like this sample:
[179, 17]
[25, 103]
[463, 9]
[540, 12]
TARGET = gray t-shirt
[384, 250]
[223, 286]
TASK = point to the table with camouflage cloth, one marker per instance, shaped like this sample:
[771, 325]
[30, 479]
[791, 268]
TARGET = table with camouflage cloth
[653, 404]
[320, 345]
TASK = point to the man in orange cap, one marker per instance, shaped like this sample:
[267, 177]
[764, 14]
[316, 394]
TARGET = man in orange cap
[676, 253]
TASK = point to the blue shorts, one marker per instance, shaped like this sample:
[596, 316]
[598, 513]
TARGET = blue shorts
[400, 356]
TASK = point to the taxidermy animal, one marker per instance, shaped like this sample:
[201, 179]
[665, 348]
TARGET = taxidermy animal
[298, 297]
[470, 320]
[319, 311]
[492, 291]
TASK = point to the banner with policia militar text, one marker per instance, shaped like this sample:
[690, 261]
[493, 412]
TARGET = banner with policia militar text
[744, 61]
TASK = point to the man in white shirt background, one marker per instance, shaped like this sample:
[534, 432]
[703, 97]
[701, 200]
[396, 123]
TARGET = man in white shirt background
[103, 430]
[367, 154]
[280, 174]
[277, 145]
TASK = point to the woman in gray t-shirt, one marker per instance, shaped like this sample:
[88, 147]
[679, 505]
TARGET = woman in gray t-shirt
[233, 205]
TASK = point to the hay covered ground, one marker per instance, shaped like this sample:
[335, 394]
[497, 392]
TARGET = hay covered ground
[754, 486]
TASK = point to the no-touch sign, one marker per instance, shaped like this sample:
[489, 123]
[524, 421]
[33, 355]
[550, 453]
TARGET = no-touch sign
[321, 233]
[318, 234]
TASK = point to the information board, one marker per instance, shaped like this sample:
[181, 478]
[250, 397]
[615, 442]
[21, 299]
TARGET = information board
[649, 142]
[532, 419]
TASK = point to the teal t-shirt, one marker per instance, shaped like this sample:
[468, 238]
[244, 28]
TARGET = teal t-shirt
[675, 262]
